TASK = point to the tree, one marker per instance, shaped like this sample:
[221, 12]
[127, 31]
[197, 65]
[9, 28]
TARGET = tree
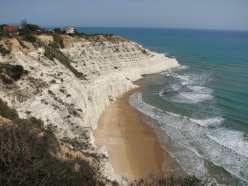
[23, 23]
[27, 29]
[33, 27]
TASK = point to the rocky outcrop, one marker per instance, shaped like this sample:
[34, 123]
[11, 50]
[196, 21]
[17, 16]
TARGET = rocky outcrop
[69, 105]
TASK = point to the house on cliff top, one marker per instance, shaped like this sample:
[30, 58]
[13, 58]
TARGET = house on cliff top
[11, 29]
[69, 30]
[66, 30]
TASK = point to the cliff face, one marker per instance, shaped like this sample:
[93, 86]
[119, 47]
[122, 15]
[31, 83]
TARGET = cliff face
[69, 104]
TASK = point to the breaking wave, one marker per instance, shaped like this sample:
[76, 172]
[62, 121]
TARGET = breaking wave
[189, 88]
[194, 142]
[208, 121]
[191, 97]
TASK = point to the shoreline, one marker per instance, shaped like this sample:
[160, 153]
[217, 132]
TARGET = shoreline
[132, 144]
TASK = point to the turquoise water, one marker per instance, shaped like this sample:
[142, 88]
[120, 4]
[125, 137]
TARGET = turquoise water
[202, 106]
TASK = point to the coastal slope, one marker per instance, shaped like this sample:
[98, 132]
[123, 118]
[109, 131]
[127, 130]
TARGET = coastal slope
[68, 83]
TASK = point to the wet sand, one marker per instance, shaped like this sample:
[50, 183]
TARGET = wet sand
[132, 145]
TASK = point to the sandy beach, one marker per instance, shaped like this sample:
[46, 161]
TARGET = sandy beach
[132, 145]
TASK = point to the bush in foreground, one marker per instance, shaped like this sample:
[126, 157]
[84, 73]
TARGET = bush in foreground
[26, 156]
[154, 180]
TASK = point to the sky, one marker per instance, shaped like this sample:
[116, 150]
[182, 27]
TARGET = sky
[196, 14]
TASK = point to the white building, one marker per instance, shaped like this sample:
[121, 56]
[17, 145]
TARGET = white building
[69, 30]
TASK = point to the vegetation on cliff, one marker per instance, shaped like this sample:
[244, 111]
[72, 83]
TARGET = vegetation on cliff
[154, 180]
[10, 73]
[27, 155]
[3, 50]
[52, 51]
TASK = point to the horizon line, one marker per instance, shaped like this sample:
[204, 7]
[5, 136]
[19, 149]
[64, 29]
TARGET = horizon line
[148, 27]
[136, 27]
[155, 27]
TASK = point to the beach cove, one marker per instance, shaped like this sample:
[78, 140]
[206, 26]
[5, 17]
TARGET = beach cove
[132, 145]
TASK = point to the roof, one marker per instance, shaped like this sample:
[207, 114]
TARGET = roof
[10, 28]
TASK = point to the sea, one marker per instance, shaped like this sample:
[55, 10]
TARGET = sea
[201, 108]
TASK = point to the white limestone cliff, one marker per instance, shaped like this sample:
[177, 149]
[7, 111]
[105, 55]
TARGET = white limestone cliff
[69, 105]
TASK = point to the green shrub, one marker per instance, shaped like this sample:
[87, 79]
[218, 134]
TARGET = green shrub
[59, 31]
[7, 112]
[33, 27]
[29, 29]
[49, 53]
[29, 38]
[13, 71]
[58, 40]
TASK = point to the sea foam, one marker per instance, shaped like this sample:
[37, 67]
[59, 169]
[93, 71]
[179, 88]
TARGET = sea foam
[191, 97]
[188, 88]
[208, 121]
[234, 140]
[193, 143]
